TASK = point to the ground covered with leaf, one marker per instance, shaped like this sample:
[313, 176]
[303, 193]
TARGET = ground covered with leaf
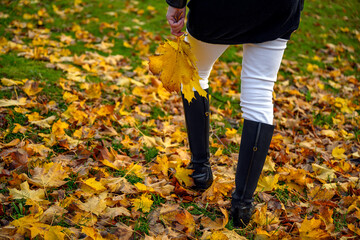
[93, 147]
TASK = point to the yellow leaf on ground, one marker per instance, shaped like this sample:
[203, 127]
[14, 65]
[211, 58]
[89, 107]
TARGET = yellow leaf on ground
[311, 229]
[95, 204]
[264, 217]
[144, 203]
[323, 172]
[45, 123]
[50, 175]
[267, 183]
[26, 193]
[54, 233]
[69, 97]
[35, 116]
[328, 133]
[92, 233]
[8, 103]
[31, 88]
[218, 235]
[162, 165]
[9, 82]
[182, 175]
[59, 127]
[353, 228]
[97, 186]
[338, 153]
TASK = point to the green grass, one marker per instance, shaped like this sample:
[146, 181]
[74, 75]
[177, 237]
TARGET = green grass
[150, 153]
[132, 178]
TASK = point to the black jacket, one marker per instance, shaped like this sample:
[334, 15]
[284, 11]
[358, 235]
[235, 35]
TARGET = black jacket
[241, 21]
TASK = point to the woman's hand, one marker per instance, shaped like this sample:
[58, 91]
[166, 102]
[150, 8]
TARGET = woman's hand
[176, 19]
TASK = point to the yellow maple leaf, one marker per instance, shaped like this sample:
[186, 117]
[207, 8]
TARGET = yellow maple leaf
[8, 103]
[92, 233]
[267, 183]
[311, 229]
[50, 175]
[338, 153]
[95, 204]
[175, 65]
[45, 123]
[59, 127]
[323, 172]
[94, 91]
[35, 116]
[144, 203]
[264, 217]
[353, 228]
[31, 88]
[182, 175]
[97, 186]
[55, 233]
[162, 165]
[69, 97]
[26, 193]
[9, 82]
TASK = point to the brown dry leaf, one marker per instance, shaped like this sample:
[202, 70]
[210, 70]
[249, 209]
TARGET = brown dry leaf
[118, 185]
[176, 65]
[116, 211]
[95, 204]
[218, 224]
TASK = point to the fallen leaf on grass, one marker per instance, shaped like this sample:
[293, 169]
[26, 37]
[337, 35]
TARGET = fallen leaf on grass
[311, 229]
[143, 203]
[182, 175]
[50, 175]
[9, 103]
[25, 193]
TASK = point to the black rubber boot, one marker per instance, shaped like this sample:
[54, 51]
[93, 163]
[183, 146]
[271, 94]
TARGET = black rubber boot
[197, 125]
[255, 143]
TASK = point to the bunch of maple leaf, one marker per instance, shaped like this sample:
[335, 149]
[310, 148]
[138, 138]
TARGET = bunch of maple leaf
[106, 160]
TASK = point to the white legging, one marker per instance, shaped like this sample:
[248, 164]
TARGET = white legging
[261, 63]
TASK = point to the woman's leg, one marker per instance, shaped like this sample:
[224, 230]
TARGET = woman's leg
[197, 113]
[260, 66]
